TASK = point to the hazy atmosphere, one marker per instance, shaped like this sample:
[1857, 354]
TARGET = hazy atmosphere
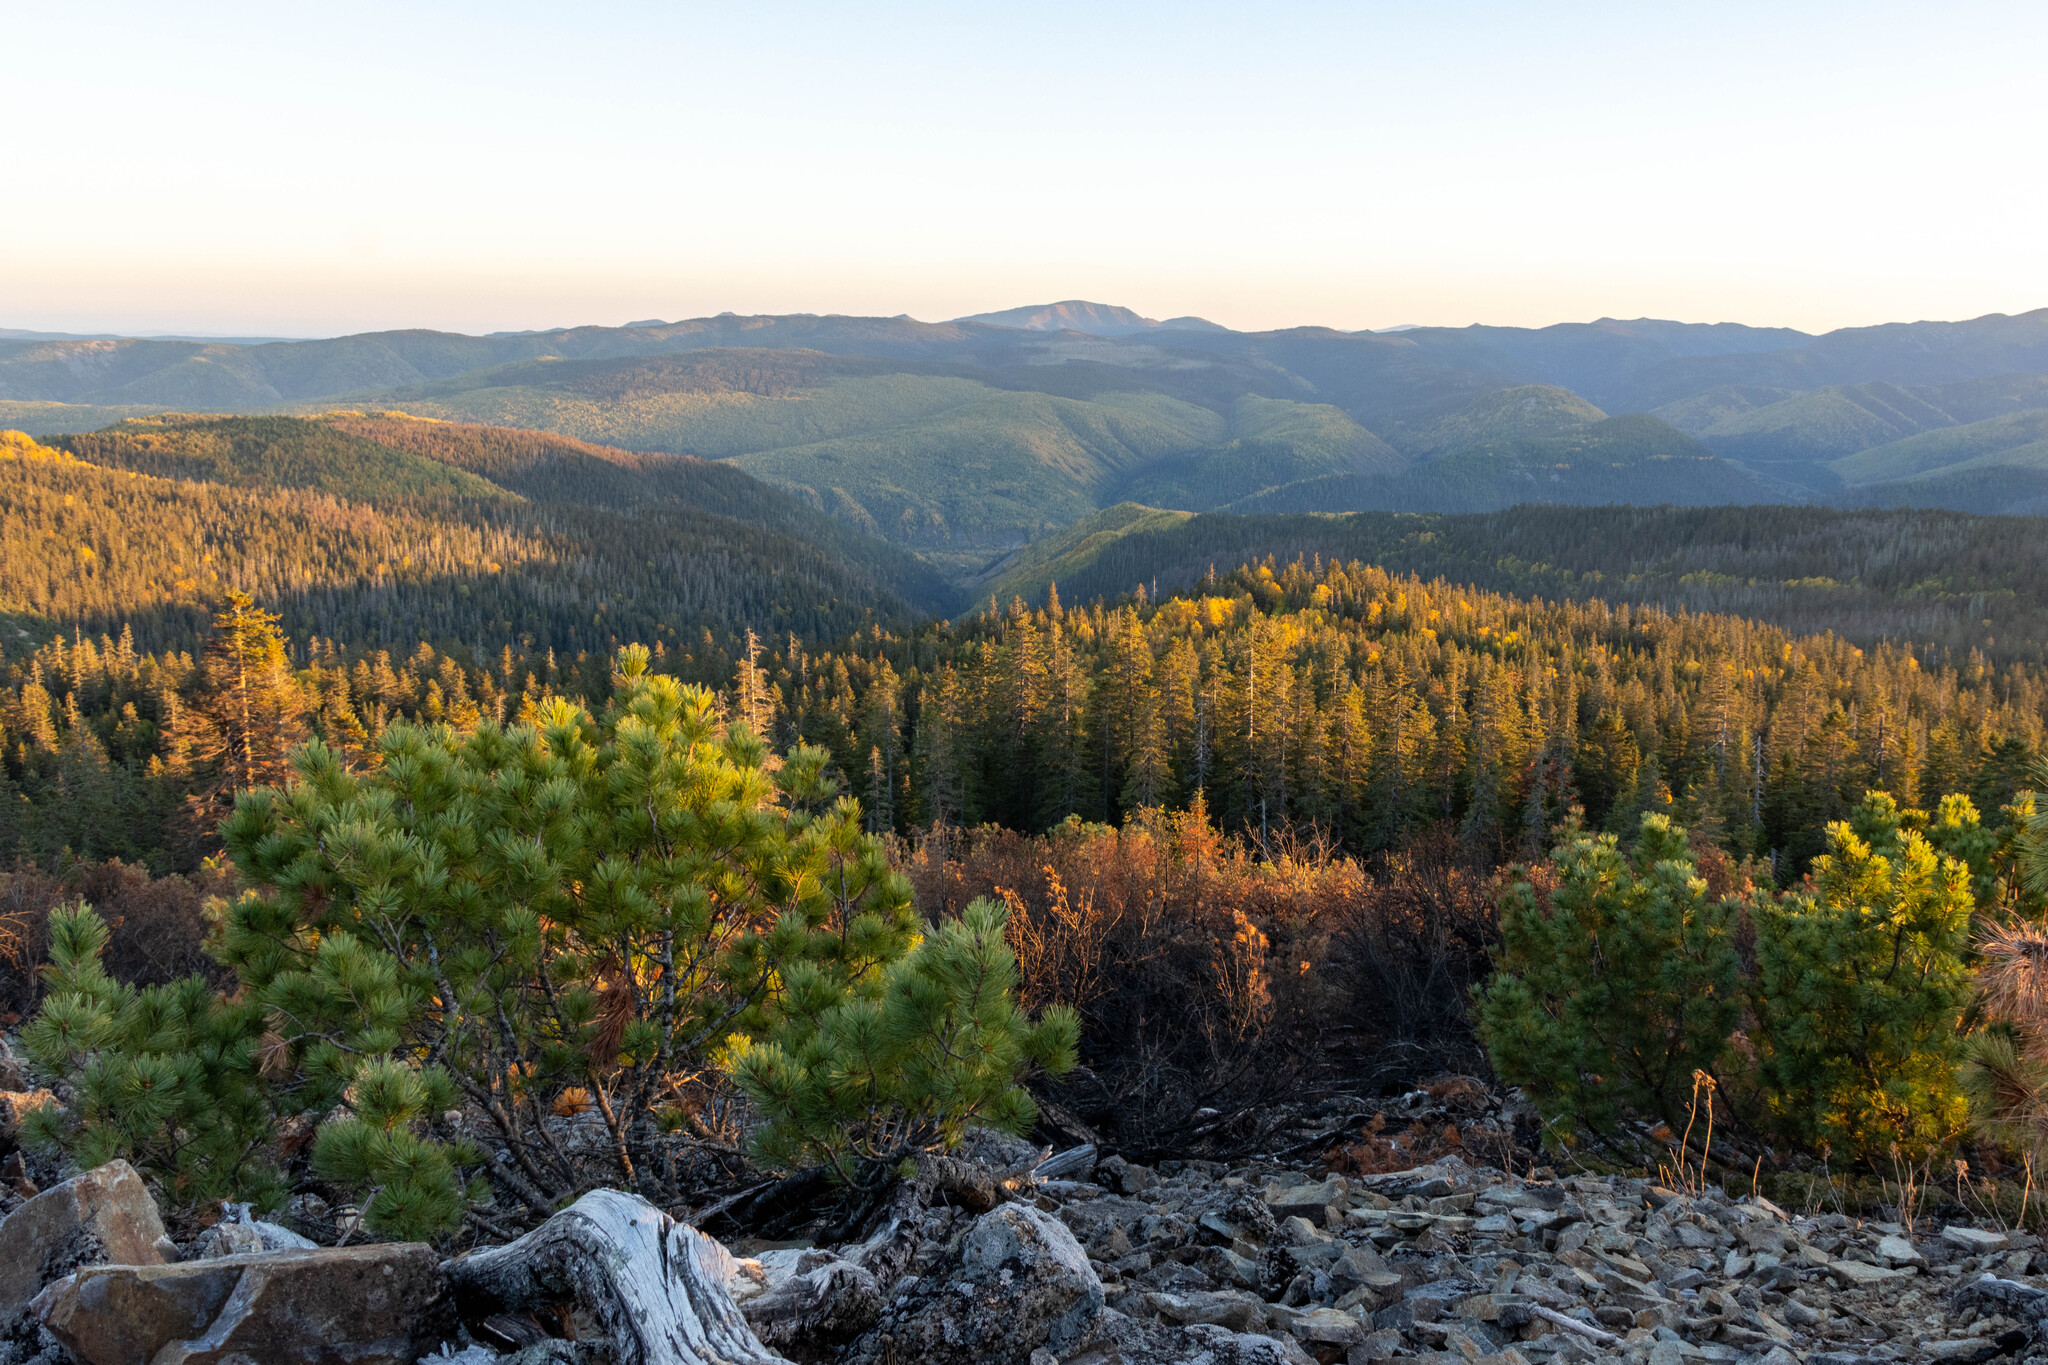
[281, 170]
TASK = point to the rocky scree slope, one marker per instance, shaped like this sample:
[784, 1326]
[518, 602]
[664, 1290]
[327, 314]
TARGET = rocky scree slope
[1006, 1254]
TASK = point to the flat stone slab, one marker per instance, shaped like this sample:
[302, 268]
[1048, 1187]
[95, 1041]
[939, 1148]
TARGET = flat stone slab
[1854, 1274]
[1975, 1240]
[1899, 1251]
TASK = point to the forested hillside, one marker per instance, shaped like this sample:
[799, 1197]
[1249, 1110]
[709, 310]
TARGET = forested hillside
[590, 553]
[271, 452]
[1942, 580]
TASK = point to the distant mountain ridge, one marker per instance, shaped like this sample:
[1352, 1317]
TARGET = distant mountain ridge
[964, 438]
[1096, 319]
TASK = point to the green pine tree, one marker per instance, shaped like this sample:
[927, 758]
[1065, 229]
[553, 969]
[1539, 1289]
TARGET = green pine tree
[1860, 990]
[167, 1077]
[864, 1080]
[1609, 997]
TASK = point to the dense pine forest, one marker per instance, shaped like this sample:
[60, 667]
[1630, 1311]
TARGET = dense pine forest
[1329, 699]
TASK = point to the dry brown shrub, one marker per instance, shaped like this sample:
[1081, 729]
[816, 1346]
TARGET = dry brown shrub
[2013, 976]
[1407, 957]
[159, 924]
[1216, 988]
[1378, 1151]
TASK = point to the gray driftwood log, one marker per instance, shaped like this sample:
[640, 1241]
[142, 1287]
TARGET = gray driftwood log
[656, 1287]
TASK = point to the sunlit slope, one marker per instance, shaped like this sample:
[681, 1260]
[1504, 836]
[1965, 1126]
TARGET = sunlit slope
[273, 452]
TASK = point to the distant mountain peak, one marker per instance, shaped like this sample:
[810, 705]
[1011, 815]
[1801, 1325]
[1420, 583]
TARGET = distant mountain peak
[1096, 319]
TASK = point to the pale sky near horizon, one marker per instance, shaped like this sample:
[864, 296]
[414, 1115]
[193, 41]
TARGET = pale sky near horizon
[310, 171]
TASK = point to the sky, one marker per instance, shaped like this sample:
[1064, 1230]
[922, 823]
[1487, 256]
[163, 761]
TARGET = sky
[295, 170]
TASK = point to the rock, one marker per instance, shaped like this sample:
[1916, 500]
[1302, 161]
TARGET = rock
[1297, 1231]
[1961, 1350]
[227, 1239]
[1228, 1266]
[277, 1237]
[1356, 1267]
[1897, 1251]
[1447, 1264]
[104, 1215]
[827, 1302]
[1376, 1346]
[1021, 1283]
[1027, 1257]
[237, 1234]
[1857, 1275]
[1328, 1327]
[1237, 1311]
[1124, 1177]
[13, 1075]
[1976, 1241]
[1309, 1200]
[1001, 1153]
[366, 1305]
[1222, 1346]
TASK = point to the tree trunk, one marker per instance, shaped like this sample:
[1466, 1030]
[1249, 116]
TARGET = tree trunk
[656, 1287]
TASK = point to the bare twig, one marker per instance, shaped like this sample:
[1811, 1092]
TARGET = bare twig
[1584, 1329]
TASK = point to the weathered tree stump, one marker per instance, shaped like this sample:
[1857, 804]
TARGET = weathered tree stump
[656, 1287]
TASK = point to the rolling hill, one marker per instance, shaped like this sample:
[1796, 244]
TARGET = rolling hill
[1999, 465]
[1584, 460]
[1271, 443]
[1510, 414]
[1933, 577]
[1828, 423]
[961, 438]
[273, 452]
[2018, 440]
[375, 527]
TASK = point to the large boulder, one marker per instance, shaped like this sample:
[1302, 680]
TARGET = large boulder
[102, 1216]
[364, 1305]
[1021, 1284]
